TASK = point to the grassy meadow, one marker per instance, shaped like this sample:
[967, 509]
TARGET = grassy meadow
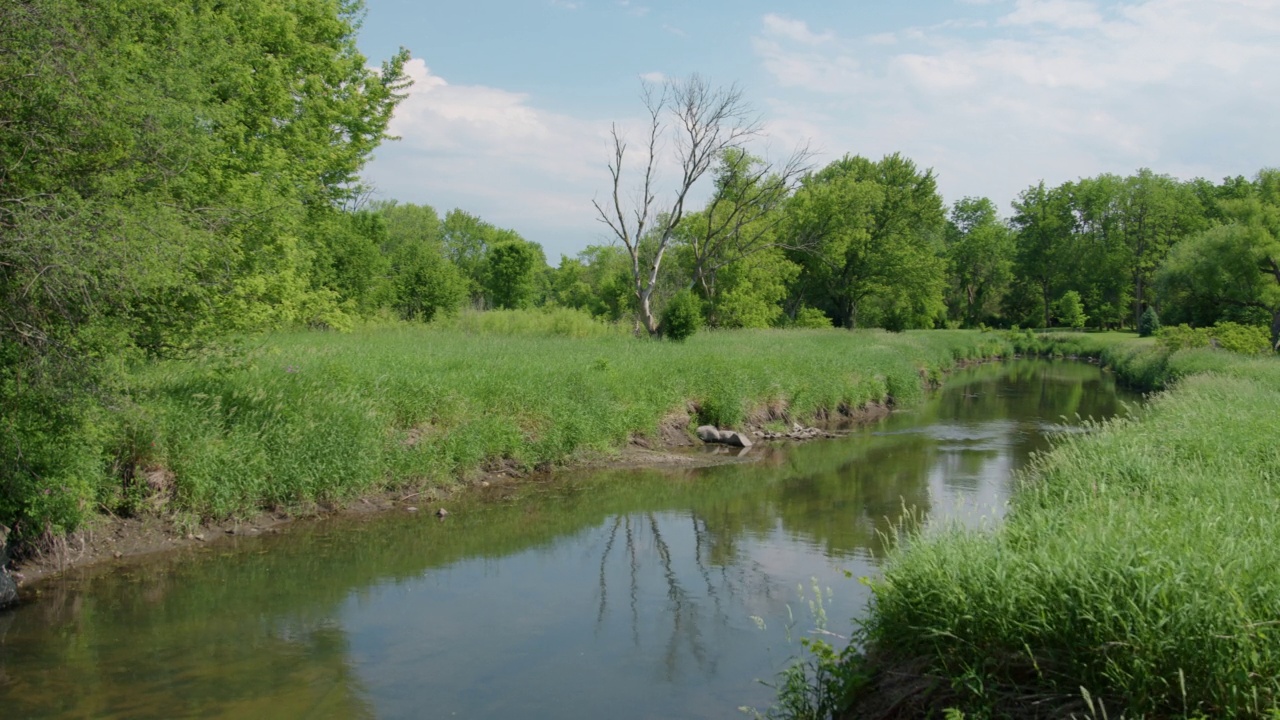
[310, 416]
[1136, 571]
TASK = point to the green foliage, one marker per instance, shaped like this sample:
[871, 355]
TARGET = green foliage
[546, 322]
[1106, 574]
[809, 317]
[511, 274]
[872, 233]
[1229, 336]
[1149, 323]
[818, 686]
[682, 317]
[980, 259]
[424, 284]
[751, 290]
[314, 416]
[168, 174]
[1069, 311]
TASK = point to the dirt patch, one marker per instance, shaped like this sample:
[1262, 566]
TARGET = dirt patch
[907, 689]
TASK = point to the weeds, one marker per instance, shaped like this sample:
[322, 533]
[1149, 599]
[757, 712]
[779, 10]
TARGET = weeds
[1138, 560]
[312, 417]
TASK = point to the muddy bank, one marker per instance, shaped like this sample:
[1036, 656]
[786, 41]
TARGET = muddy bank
[113, 539]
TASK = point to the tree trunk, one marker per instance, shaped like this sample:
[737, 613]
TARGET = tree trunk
[1137, 300]
[646, 312]
[1275, 331]
[1044, 293]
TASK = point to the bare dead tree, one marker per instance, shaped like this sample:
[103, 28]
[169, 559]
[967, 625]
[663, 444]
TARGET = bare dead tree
[705, 122]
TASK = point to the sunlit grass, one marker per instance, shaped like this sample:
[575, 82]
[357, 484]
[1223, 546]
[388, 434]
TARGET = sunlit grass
[1139, 561]
[317, 416]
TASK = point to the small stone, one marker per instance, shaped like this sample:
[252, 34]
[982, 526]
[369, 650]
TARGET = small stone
[117, 554]
[199, 536]
[708, 433]
[442, 513]
[736, 439]
[412, 509]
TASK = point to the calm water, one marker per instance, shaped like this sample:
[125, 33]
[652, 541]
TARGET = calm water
[617, 594]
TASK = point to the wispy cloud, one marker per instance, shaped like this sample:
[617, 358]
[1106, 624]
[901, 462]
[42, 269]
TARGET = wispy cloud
[492, 152]
[1055, 89]
[634, 9]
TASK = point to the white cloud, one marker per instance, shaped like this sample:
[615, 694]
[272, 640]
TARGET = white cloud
[794, 30]
[493, 153]
[1056, 89]
[1065, 14]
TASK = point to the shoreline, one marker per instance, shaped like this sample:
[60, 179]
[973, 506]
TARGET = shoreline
[121, 540]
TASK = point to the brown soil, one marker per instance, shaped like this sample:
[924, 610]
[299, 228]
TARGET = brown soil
[112, 539]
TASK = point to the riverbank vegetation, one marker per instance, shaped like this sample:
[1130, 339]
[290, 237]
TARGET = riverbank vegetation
[1133, 572]
[305, 417]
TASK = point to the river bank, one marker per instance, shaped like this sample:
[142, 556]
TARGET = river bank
[308, 424]
[637, 593]
[1133, 572]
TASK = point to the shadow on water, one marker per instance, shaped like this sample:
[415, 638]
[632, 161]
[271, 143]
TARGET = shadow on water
[622, 594]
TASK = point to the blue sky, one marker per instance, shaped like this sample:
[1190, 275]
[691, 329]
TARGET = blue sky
[513, 99]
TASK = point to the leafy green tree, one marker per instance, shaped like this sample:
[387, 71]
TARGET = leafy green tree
[467, 242]
[871, 230]
[167, 172]
[1044, 221]
[980, 258]
[424, 284]
[1234, 266]
[512, 272]
[1069, 310]
[751, 290]
[740, 220]
[1149, 323]
[1096, 256]
[1159, 211]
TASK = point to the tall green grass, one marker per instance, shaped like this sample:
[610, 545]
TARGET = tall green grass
[1139, 562]
[319, 416]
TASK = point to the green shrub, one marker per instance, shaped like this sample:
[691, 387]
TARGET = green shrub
[682, 316]
[1246, 339]
[810, 317]
[1069, 310]
[1233, 337]
[1149, 323]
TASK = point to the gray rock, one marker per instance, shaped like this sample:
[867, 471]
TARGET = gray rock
[736, 439]
[708, 433]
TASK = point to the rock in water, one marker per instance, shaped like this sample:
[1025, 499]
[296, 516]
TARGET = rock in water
[708, 433]
[736, 439]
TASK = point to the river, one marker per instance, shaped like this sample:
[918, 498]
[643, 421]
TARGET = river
[621, 594]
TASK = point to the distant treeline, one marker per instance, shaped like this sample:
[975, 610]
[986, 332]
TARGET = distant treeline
[871, 244]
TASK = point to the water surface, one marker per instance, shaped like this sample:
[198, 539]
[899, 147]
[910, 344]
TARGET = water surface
[637, 594]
